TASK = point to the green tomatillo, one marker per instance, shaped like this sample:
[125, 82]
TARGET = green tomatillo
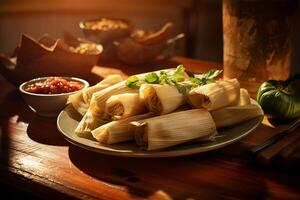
[280, 99]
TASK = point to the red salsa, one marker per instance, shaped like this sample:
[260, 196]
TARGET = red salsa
[54, 85]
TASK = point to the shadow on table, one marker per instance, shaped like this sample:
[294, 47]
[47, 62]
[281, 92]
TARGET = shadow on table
[40, 129]
[205, 175]
[43, 130]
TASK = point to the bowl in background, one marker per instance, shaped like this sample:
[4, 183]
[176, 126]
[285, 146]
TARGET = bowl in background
[48, 105]
[112, 29]
[47, 57]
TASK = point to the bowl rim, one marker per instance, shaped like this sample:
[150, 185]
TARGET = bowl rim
[126, 21]
[68, 78]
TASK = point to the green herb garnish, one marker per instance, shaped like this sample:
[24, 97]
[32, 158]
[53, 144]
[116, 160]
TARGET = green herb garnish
[165, 77]
[178, 78]
[133, 82]
[179, 74]
[205, 78]
[152, 78]
[181, 87]
[211, 74]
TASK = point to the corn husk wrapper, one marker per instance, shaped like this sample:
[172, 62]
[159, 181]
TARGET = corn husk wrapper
[236, 114]
[108, 81]
[96, 112]
[88, 123]
[118, 131]
[78, 103]
[124, 105]
[95, 116]
[244, 97]
[81, 100]
[161, 99]
[98, 101]
[175, 128]
[215, 95]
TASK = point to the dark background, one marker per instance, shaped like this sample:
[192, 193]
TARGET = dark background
[201, 20]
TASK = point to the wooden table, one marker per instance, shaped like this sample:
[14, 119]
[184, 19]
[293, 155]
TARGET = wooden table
[37, 159]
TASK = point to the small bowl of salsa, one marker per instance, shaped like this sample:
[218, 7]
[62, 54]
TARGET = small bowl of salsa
[47, 96]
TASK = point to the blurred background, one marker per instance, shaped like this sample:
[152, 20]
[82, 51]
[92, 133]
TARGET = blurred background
[200, 20]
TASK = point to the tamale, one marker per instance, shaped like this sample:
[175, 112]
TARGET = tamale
[108, 81]
[215, 95]
[81, 100]
[161, 99]
[118, 131]
[244, 97]
[88, 123]
[124, 105]
[236, 114]
[174, 128]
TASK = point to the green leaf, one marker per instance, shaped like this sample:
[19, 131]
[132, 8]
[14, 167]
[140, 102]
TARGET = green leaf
[152, 78]
[133, 82]
[206, 77]
[181, 88]
[165, 77]
[196, 81]
[190, 86]
[179, 70]
[179, 74]
[209, 74]
[210, 81]
[177, 79]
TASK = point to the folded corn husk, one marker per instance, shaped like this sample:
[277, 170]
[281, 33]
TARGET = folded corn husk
[161, 99]
[244, 97]
[108, 81]
[98, 101]
[241, 112]
[215, 95]
[175, 128]
[88, 123]
[81, 100]
[96, 115]
[118, 131]
[78, 103]
[124, 105]
[236, 114]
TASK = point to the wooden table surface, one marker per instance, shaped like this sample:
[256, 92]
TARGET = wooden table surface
[37, 159]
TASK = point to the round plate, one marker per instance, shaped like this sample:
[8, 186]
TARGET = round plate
[68, 120]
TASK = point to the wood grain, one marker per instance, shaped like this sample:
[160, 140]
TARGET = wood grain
[37, 159]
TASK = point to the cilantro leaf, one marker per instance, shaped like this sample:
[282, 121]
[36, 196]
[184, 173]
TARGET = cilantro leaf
[210, 81]
[206, 77]
[176, 78]
[181, 88]
[133, 82]
[196, 81]
[152, 78]
[213, 73]
[165, 77]
[179, 74]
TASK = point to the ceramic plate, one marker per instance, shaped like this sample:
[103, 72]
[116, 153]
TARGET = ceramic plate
[68, 120]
